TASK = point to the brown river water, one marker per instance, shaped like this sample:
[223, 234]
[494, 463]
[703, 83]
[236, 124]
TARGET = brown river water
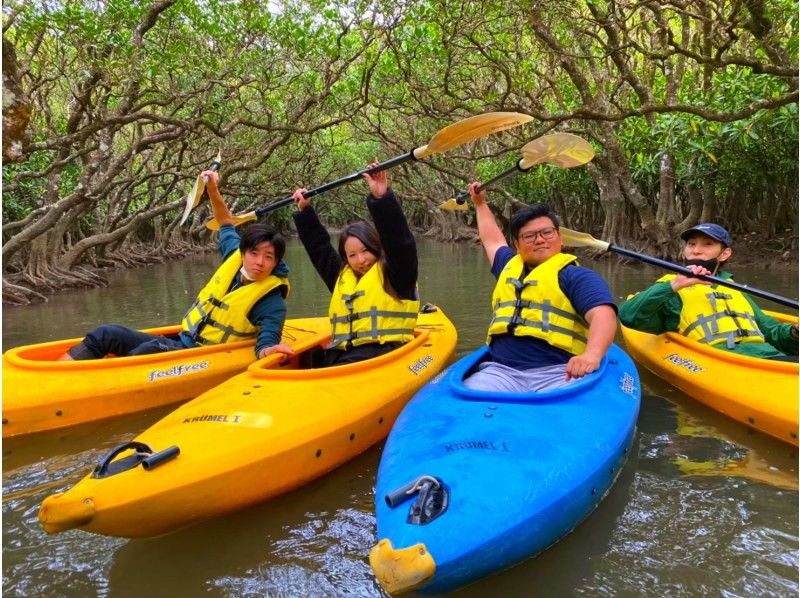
[703, 507]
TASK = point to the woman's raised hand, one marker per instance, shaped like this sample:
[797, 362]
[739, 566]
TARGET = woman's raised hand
[300, 200]
[378, 181]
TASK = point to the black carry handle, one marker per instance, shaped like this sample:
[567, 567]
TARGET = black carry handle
[402, 494]
[144, 455]
[142, 451]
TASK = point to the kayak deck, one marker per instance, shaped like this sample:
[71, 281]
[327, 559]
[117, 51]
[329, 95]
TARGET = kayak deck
[760, 393]
[519, 471]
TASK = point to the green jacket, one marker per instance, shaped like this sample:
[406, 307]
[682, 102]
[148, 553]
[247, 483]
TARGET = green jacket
[657, 309]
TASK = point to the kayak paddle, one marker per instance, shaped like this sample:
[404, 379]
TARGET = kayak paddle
[564, 150]
[445, 139]
[573, 238]
[199, 188]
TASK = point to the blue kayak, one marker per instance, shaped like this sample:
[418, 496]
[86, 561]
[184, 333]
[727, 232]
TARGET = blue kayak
[472, 482]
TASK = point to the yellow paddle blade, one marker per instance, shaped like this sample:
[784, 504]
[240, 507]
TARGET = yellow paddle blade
[196, 194]
[237, 220]
[452, 205]
[564, 150]
[559, 149]
[193, 198]
[572, 238]
[470, 129]
[199, 187]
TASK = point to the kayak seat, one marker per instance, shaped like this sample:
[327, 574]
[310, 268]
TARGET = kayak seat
[465, 367]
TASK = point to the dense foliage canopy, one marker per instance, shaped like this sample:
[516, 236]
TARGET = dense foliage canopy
[112, 107]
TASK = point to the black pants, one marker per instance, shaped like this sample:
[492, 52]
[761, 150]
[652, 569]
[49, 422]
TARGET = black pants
[338, 357]
[122, 342]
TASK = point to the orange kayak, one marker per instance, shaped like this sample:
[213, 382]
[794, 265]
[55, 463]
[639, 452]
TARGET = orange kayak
[258, 435]
[40, 393]
[760, 393]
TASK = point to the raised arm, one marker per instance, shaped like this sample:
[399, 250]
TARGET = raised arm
[221, 212]
[316, 240]
[490, 234]
[398, 242]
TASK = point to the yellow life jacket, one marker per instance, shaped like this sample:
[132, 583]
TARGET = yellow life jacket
[716, 315]
[362, 312]
[536, 306]
[218, 316]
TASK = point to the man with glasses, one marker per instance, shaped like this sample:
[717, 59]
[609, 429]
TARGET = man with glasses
[553, 320]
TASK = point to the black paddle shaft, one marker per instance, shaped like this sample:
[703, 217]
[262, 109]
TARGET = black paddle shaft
[337, 183]
[713, 279]
[462, 197]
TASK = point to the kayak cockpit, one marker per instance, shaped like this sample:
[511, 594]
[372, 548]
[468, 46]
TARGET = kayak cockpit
[468, 365]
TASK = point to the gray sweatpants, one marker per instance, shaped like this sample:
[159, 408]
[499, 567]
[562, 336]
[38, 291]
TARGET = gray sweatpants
[501, 378]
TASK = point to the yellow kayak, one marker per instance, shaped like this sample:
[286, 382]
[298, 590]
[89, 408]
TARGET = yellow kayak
[40, 393]
[760, 393]
[260, 434]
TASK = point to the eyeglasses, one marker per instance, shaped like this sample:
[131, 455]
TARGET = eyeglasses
[545, 233]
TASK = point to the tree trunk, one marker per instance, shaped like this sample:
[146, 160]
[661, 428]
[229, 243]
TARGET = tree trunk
[667, 211]
[16, 107]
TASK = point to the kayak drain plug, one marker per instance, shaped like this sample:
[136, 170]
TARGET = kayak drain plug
[142, 454]
[433, 499]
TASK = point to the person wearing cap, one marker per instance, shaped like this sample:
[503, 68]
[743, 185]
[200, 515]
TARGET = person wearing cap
[714, 314]
[553, 320]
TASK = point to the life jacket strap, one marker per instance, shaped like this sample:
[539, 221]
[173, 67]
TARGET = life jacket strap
[228, 332]
[374, 331]
[710, 327]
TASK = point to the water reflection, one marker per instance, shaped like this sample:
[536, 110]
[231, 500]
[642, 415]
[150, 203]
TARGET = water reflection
[730, 459]
[705, 506]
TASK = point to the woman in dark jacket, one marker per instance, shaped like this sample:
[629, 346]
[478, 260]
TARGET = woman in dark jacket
[372, 276]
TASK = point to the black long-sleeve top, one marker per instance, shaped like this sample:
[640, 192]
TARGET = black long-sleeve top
[399, 247]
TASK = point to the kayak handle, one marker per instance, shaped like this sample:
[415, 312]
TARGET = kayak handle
[142, 451]
[144, 455]
[403, 493]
